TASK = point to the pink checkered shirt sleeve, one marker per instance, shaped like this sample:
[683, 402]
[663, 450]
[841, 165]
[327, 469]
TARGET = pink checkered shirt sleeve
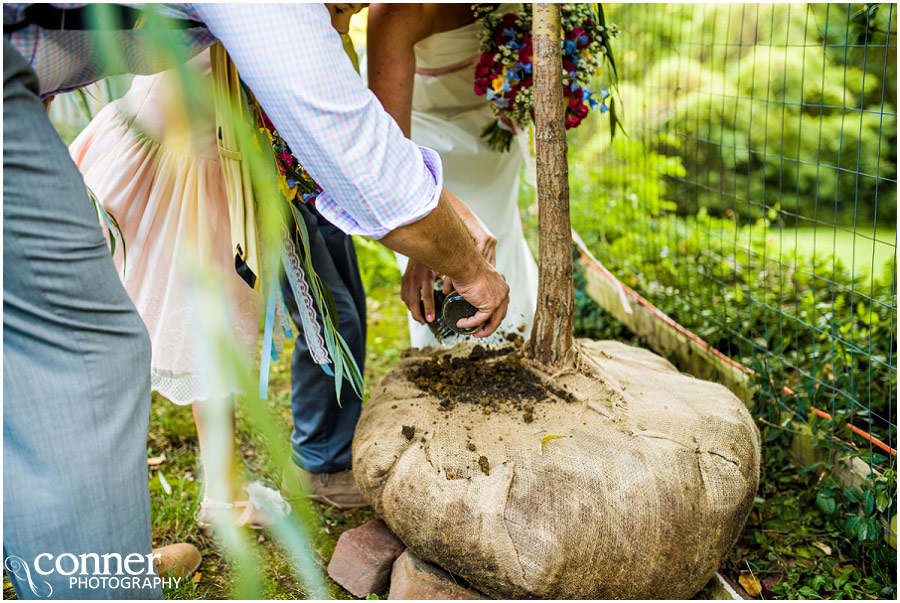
[374, 178]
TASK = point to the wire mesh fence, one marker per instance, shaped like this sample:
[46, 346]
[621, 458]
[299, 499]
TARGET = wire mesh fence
[753, 198]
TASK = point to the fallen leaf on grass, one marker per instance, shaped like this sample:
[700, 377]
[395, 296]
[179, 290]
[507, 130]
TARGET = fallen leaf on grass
[750, 584]
[196, 577]
[155, 461]
[165, 484]
[823, 547]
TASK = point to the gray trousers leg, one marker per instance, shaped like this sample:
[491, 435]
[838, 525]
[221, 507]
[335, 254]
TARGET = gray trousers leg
[76, 369]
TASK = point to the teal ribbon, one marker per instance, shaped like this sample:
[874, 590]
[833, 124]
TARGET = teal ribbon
[269, 353]
[288, 332]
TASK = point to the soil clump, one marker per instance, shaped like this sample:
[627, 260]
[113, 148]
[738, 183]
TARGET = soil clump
[495, 379]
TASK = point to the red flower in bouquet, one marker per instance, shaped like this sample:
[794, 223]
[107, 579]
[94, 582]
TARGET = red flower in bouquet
[577, 108]
[526, 50]
[265, 122]
[286, 158]
[579, 35]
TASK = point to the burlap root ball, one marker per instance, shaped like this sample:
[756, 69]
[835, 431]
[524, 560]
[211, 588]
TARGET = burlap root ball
[642, 497]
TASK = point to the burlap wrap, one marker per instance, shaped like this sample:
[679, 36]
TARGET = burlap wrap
[642, 498]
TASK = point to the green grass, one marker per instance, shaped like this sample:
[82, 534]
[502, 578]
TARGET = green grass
[858, 250]
[172, 433]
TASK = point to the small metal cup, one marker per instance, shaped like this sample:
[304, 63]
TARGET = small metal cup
[456, 308]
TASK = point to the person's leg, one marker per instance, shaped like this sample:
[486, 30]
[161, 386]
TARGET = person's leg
[76, 368]
[323, 430]
[222, 490]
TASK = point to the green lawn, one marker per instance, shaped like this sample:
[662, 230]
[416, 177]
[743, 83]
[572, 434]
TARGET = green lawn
[172, 433]
[857, 250]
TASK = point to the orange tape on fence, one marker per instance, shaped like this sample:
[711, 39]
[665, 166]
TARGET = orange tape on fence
[602, 271]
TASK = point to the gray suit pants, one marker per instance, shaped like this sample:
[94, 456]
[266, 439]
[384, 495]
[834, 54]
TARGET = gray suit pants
[76, 372]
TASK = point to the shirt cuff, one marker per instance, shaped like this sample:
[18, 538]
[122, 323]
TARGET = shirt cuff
[389, 215]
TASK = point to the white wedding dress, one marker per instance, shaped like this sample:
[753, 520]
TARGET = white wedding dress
[448, 116]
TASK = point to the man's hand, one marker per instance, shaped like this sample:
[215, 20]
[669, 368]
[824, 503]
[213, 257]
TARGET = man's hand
[441, 241]
[418, 285]
[489, 293]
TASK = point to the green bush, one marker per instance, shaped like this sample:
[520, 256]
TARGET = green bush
[788, 105]
[804, 320]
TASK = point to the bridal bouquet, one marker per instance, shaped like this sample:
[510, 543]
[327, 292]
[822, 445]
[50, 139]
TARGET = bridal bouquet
[503, 74]
[293, 181]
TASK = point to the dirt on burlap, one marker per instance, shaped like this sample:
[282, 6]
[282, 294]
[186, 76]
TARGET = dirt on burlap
[621, 478]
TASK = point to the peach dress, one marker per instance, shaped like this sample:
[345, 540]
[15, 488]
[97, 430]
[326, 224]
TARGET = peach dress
[164, 186]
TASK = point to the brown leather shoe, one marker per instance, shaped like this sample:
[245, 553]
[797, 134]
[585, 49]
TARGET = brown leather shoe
[177, 560]
[336, 489]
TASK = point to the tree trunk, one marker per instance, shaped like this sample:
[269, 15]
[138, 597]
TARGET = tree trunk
[551, 336]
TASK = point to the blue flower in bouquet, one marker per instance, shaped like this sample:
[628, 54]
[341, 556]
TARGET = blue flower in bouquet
[587, 96]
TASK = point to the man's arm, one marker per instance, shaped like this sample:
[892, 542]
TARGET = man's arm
[292, 58]
[392, 32]
[375, 181]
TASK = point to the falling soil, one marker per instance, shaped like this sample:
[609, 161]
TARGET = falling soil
[495, 379]
[484, 464]
[408, 431]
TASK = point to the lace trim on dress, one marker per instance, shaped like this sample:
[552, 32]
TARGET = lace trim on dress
[181, 389]
[296, 278]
